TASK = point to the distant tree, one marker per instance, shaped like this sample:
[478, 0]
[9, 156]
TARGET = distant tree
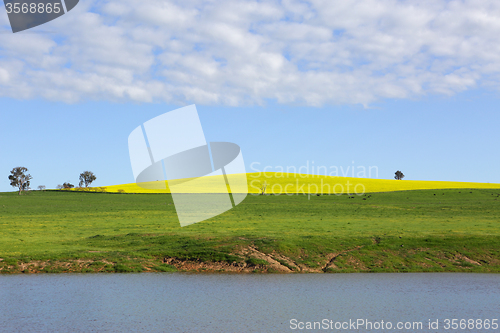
[68, 185]
[399, 175]
[41, 187]
[20, 179]
[263, 188]
[59, 187]
[86, 178]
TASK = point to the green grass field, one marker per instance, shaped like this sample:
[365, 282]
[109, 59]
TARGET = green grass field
[407, 231]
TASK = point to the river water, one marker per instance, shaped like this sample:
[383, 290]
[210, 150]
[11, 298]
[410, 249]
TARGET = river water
[182, 302]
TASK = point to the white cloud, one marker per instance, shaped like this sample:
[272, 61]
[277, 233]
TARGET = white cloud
[238, 52]
[4, 76]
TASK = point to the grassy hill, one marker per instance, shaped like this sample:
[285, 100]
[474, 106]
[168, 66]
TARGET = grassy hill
[288, 183]
[403, 231]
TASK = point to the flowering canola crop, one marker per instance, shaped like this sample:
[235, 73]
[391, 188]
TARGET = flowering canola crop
[292, 183]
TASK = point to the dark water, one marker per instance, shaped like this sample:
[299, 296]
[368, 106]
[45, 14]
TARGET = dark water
[176, 302]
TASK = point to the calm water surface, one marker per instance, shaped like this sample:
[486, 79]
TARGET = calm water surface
[177, 302]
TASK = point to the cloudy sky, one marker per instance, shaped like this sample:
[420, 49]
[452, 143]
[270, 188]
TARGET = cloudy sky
[401, 73]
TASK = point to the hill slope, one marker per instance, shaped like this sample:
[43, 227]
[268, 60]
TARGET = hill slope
[405, 231]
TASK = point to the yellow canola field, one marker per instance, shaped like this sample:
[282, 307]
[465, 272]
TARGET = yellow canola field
[291, 183]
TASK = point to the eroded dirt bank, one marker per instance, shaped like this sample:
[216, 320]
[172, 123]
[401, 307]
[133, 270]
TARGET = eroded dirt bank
[252, 260]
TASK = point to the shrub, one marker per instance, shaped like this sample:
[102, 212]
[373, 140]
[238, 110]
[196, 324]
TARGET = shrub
[256, 262]
[165, 268]
[121, 268]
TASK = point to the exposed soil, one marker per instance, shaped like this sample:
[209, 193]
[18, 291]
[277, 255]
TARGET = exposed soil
[332, 256]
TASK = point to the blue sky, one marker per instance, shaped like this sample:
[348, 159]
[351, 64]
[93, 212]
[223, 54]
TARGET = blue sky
[403, 87]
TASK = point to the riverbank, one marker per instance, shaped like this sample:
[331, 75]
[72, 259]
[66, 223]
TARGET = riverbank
[467, 255]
